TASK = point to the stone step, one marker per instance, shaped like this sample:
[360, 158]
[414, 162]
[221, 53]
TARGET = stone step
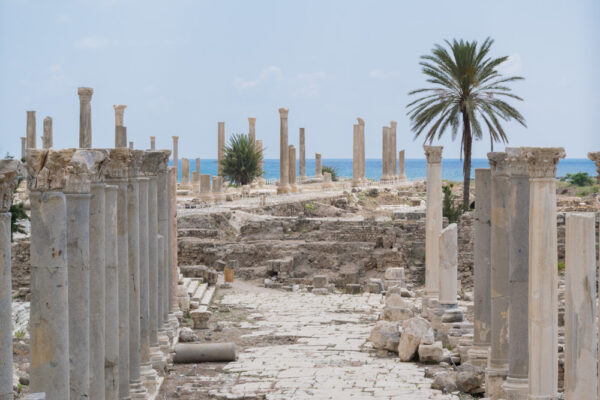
[193, 286]
[200, 292]
[208, 295]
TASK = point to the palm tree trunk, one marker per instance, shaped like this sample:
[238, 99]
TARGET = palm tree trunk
[467, 146]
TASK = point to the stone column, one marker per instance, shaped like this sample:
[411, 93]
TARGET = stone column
[302, 154]
[543, 259]
[518, 275]
[259, 145]
[500, 250]
[47, 138]
[152, 143]
[217, 189]
[137, 390]
[31, 137]
[482, 306]
[23, 147]
[130, 145]
[401, 164]
[385, 143]
[220, 147]
[185, 172]
[119, 112]
[49, 346]
[121, 137]
[9, 174]
[581, 337]
[197, 167]
[284, 186]
[292, 168]
[433, 219]
[448, 261]
[205, 192]
[176, 157]
[116, 173]
[252, 128]
[355, 156]
[85, 117]
[111, 300]
[318, 167]
[163, 187]
[174, 270]
[361, 136]
[595, 157]
[393, 150]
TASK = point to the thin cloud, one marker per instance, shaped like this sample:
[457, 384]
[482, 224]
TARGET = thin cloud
[270, 73]
[92, 42]
[379, 73]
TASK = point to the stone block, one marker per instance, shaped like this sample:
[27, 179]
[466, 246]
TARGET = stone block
[320, 281]
[200, 318]
[385, 336]
[320, 291]
[353, 288]
[452, 315]
[397, 313]
[394, 273]
[374, 286]
[431, 353]
[412, 332]
[187, 335]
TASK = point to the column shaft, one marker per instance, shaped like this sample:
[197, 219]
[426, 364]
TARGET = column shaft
[318, 166]
[163, 230]
[433, 219]
[384, 154]
[176, 156]
[6, 347]
[355, 156]
[302, 154]
[401, 166]
[47, 142]
[220, 147]
[283, 152]
[448, 253]
[31, 138]
[152, 143]
[143, 184]
[85, 117]
[393, 151]
[23, 147]
[361, 136]
[173, 273]
[252, 129]
[153, 297]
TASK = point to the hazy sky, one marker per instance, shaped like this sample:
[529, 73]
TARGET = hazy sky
[182, 66]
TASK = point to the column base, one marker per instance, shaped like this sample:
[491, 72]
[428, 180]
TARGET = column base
[158, 360]
[478, 356]
[293, 189]
[516, 389]
[283, 189]
[149, 378]
[494, 379]
[137, 390]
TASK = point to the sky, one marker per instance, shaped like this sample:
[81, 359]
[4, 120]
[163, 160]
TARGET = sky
[183, 65]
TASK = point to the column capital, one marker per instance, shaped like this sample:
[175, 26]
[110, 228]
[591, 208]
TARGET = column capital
[252, 120]
[117, 163]
[9, 179]
[135, 164]
[85, 94]
[542, 160]
[517, 163]
[595, 157]
[361, 121]
[154, 162]
[175, 138]
[283, 112]
[433, 154]
[393, 124]
[31, 112]
[47, 119]
[221, 124]
[498, 163]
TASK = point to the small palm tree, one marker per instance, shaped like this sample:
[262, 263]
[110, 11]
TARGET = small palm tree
[467, 88]
[241, 161]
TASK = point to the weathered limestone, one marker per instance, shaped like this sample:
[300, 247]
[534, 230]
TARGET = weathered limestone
[119, 112]
[581, 336]
[401, 165]
[327, 182]
[355, 156]
[23, 147]
[318, 166]
[205, 190]
[393, 151]
[176, 156]
[9, 174]
[31, 138]
[543, 259]
[220, 147]
[259, 146]
[217, 189]
[111, 304]
[302, 154]
[195, 182]
[117, 170]
[47, 177]
[595, 157]
[197, 165]
[85, 117]
[292, 168]
[497, 369]
[284, 186]
[482, 306]
[185, 173]
[252, 129]
[385, 161]
[433, 219]
[152, 143]
[47, 138]
[516, 383]
[448, 262]
[361, 136]
[120, 137]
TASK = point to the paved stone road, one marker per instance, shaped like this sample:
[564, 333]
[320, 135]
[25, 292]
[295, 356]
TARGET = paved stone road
[329, 360]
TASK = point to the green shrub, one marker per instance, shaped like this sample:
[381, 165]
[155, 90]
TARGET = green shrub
[241, 160]
[579, 179]
[561, 267]
[450, 209]
[331, 170]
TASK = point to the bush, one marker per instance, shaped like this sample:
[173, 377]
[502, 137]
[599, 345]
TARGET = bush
[450, 209]
[331, 170]
[579, 179]
[241, 160]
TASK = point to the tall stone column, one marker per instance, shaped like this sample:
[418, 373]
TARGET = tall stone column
[385, 143]
[121, 137]
[482, 304]
[47, 138]
[318, 166]
[85, 117]
[197, 166]
[259, 145]
[292, 168]
[217, 189]
[173, 266]
[393, 151]
[448, 261]
[252, 128]
[111, 299]
[176, 156]
[516, 383]
[543, 282]
[500, 249]
[23, 147]
[595, 157]
[581, 336]
[284, 186]
[205, 192]
[31, 137]
[137, 390]
[302, 154]
[401, 165]
[355, 156]
[117, 170]
[163, 187]
[220, 147]
[49, 314]
[433, 219]
[185, 173]
[9, 177]
[152, 143]
[361, 136]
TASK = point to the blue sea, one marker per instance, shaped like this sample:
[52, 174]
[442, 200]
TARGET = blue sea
[414, 168]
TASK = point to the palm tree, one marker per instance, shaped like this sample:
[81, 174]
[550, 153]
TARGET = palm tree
[241, 161]
[467, 88]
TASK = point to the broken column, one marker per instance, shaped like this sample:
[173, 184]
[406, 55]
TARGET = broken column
[518, 273]
[205, 194]
[152, 143]
[433, 219]
[185, 173]
[23, 147]
[448, 262]
[120, 130]
[302, 155]
[31, 138]
[482, 339]
[259, 146]
[497, 369]
[85, 117]
[252, 129]
[361, 152]
[543, 259]
[220, 147]
[385, 143]
[284, 186]
[176, 156]
[401, 165]
[217, 189]
[318, 166]
[292, 168]
[581, 337]
[47, 138]
[393, 150]
[595, 157]
[355, 157]
[9, 178]
[47, 178]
